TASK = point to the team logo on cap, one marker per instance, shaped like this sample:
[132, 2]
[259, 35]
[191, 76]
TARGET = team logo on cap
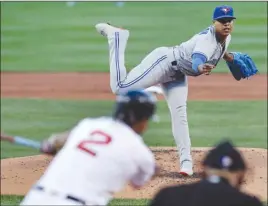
[226, 161]
[225, 10]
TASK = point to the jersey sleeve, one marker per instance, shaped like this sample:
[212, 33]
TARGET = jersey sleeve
[205, 45]
[146, 166]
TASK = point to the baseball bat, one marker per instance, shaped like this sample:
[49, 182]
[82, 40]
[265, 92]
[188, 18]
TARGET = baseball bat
[23, 141]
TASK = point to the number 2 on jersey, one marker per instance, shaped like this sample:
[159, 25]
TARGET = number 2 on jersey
[101, 138]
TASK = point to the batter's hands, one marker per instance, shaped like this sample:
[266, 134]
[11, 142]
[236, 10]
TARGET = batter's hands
[47, 148]
[205, 68]
[54, 143]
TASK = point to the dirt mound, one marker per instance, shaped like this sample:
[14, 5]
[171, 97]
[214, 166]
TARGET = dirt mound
[96, 86]
[18, 174]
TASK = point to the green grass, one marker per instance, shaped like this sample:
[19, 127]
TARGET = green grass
[49, 36]
[15, 200]
[10, 199]
[244, 122]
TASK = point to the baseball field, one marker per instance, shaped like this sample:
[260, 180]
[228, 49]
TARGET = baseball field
[54, 72]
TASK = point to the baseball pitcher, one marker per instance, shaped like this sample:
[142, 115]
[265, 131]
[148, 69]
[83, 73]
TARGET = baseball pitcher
[170, 66]
[98, 156]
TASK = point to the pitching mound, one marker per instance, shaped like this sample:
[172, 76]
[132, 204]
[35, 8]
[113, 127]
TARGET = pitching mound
[18, 174]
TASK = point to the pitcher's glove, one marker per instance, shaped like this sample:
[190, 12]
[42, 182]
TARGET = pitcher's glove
[242, 66]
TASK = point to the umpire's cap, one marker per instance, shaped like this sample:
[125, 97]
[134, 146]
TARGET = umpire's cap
[134, 106]
[225, 156]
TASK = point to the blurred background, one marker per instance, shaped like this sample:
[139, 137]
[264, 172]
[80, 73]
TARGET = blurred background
[60, 36]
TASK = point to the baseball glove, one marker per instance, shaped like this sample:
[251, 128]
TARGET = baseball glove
[242, 66]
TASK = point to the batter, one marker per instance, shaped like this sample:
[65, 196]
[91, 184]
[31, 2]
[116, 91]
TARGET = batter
[98, 157]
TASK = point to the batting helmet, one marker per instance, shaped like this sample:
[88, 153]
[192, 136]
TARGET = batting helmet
[134, 106]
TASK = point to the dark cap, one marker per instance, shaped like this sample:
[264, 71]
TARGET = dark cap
[221, 12]
[134, 106]
[225, 156]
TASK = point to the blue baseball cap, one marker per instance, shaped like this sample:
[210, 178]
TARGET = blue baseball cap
[223, 11]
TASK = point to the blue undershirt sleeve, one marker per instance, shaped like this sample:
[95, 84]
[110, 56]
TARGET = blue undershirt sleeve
[198, 59]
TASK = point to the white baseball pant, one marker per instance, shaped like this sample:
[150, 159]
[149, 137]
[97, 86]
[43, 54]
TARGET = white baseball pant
[154, 69]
